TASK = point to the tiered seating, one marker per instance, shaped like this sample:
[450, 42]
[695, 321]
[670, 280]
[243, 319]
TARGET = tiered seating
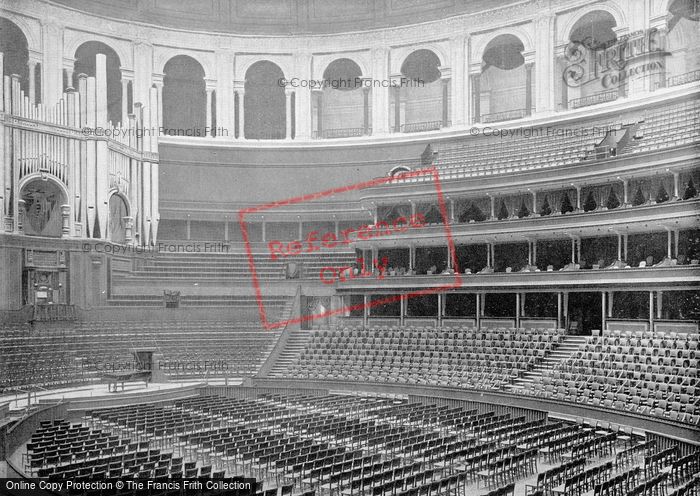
[650, 373]
[236, 265]
[673, 125]
[274, 304]
[450, 357]
[82, 352]
[42, 358]
[473, 157]
[528, 149]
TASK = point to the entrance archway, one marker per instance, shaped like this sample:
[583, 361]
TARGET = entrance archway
[117, 225]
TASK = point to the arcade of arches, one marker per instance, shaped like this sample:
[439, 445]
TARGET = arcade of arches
[502, 81]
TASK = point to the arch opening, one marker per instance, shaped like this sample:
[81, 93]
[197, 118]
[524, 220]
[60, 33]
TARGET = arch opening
[41, 202]
[342, 108]
[85, 64]
[504, 90]
[264, 102]
[15, 50]
[586, 81]
[683, 43]
[423, 100]
[118, 210]
[184, 97]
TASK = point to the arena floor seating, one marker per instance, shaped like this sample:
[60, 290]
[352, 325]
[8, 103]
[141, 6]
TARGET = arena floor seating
[358, 445]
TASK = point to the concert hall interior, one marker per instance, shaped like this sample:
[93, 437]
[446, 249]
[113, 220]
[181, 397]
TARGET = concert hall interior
[351, 248]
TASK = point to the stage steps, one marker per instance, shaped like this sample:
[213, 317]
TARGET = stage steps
[562, 351]
[295, 346]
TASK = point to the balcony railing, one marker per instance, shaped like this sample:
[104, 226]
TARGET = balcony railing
[688, 77]
[506, 115]
[268, 134]
[417, 127]
[585, 101]
[344, 132]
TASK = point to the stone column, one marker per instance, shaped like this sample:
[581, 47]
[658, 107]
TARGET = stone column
[240, 97]
[31, 65]
[545, 67]
[125, 101]
[210, 86]
[365, 111]
[288, 113]
[397, 107]
[51, 59]
[528, 88]
[158, 83]
[302, 97]
[318, 95]
[476, 97]
[457, 81]
[68, 69]
[380, 94]
[127, 76]
[445, 100]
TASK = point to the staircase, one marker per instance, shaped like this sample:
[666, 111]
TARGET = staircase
[295, 346]
[567, 346]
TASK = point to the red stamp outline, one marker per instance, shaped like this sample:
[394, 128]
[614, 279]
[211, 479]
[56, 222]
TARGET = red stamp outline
[431, 171]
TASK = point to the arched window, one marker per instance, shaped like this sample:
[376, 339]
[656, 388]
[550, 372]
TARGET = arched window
[184, 97]
[423, 101]
[264, 102]
[85, 64]
[505, 85]
[583, 75]
[683, 42]
[13, 45]
[342, 109]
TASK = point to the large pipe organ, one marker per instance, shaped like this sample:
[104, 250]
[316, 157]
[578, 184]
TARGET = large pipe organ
[68, 172]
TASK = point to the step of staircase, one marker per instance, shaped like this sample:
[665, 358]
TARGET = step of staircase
[295, 346]
[561, 352]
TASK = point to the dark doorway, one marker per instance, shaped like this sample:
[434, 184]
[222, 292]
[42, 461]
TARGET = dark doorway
[584, 313]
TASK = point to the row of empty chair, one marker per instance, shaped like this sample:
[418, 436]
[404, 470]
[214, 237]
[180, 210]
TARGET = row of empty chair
[236, 265]
[295, 444]
[528, 149]
[71, 353]
[462, 358]
[643, 372]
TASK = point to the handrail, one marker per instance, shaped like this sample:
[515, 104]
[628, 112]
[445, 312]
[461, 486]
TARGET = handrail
[506, 115]
[684, 78]
[416, 127]
[602, 97]
[342, 132]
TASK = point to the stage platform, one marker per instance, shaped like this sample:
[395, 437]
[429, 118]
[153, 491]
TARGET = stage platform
[99, 392]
